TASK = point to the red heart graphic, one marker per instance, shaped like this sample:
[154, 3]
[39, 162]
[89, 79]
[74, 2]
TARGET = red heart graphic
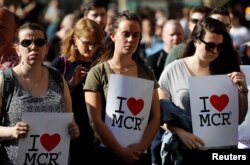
[135, 106]
[50, 142]
[219, 102]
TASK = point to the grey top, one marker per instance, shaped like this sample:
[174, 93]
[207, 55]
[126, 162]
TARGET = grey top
[174, 82]
[22, 101]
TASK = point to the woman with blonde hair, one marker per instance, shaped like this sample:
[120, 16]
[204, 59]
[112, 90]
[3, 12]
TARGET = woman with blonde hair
[80, 48]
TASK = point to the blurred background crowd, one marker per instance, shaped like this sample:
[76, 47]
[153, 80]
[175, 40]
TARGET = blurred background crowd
[57, 14]
[166, 26]
[51, 12]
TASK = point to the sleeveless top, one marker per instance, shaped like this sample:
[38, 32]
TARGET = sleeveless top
[23, 101]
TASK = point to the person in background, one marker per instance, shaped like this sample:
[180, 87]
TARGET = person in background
[196, 14]
[244, 51]
[209, 52]
[240, 34]
[35, 90]
[120, 58]
[184, 21]
[172, 35]
[96, 10]
[111, 12]
[160, 20]
[53, 15]
[29, 11]
[150, 43]
[222, 14]
[8, 25]
[80, 48]
[55, 42]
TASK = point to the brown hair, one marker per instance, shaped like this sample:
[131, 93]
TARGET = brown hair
[94, 4]
[109, 45]
[228, 59]
[32, 26]
[81, 27]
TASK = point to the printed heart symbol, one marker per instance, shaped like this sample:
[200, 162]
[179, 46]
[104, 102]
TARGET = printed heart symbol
[135, 106]
[219, 102]
[49, 142]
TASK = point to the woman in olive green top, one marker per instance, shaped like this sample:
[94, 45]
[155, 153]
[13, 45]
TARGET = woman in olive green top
[119, 58]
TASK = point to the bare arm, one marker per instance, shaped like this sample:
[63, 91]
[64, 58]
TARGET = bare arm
[162, 94]
[67, 97]
[239, 79]
[73, 128]
[94, 107]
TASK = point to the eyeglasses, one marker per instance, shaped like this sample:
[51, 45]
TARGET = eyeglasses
[38, 42]
[193, 20]
[87, 43]
[209, 46]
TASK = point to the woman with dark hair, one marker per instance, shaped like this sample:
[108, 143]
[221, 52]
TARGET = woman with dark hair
[35, 90]
[120, 58]
[209, 52]
[226, 59]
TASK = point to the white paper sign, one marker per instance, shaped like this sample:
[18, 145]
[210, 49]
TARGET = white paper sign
[244, 128]
[128, 106]
[48, 140]
[214, 110]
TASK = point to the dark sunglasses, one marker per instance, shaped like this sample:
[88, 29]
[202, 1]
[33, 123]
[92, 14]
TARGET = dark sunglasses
[195, 21]
[209, 46]
[38, 42]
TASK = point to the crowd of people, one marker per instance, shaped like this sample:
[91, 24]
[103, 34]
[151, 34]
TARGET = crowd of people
[85, 47]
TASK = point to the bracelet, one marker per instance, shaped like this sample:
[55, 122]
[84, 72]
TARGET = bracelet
[244, 91]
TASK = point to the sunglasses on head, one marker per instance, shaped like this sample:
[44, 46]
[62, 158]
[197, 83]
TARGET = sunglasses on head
[209, 46]
[38, 42]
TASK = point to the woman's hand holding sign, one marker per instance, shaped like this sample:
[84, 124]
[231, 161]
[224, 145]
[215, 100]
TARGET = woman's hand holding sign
[20, 130]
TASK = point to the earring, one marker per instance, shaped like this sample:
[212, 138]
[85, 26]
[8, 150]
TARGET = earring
[75, 47]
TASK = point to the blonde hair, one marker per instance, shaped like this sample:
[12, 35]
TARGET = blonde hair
[81, 27]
